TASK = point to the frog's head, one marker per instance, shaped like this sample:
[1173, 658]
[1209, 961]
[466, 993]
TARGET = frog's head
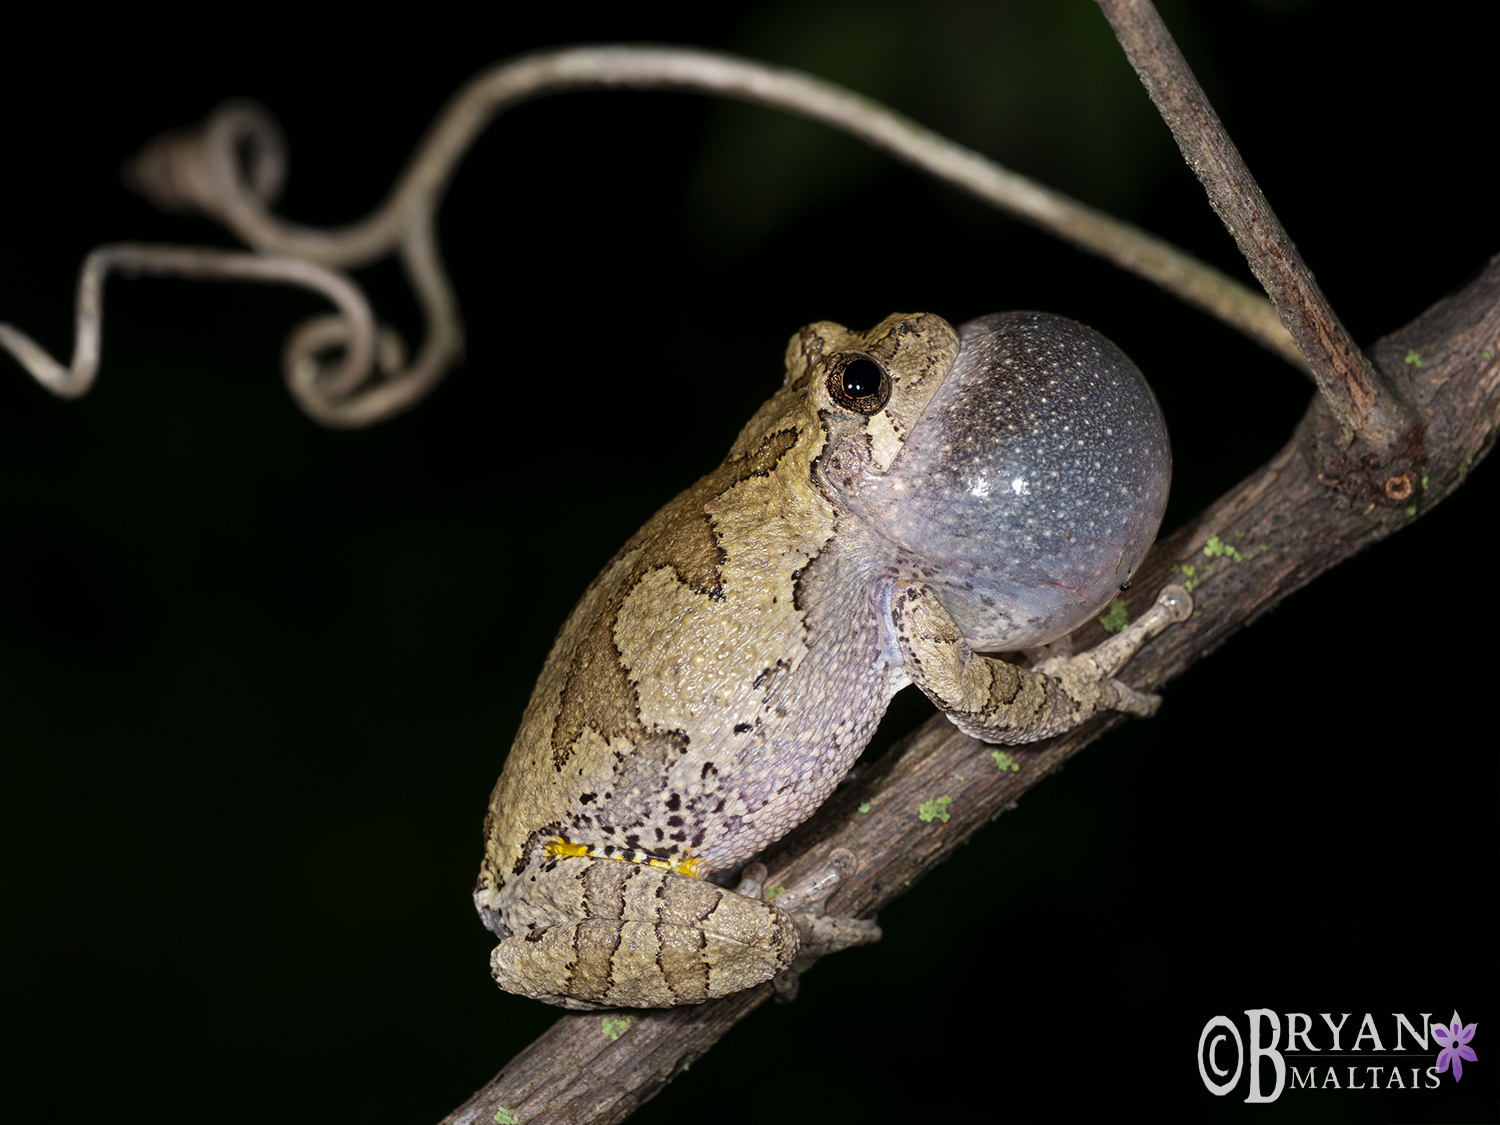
[1019, 466]
[866, 391]
[862, 392]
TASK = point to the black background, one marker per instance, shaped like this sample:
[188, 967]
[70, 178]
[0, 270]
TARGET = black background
[257, 678]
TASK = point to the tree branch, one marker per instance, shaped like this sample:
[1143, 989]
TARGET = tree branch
[1364, 403]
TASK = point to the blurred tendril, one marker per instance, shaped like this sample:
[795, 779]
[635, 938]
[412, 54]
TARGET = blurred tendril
[346, 371]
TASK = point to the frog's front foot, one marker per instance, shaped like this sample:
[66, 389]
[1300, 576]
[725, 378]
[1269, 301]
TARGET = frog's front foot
[999, 702]
[1088, 678]
[1092, 672]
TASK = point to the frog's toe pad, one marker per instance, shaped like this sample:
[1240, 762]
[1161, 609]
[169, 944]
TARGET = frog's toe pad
[1133, 702]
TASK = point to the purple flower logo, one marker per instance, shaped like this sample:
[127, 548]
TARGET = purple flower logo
[1456, 1049]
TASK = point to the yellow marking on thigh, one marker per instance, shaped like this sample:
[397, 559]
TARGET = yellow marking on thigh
[688, 865]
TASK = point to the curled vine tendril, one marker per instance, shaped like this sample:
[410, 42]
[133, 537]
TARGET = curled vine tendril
[231, 168]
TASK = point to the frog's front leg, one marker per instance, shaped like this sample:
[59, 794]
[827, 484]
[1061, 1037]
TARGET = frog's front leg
[999, 702]
[605, 933]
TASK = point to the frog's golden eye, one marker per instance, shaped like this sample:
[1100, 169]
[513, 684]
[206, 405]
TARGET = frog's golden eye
[856, 382]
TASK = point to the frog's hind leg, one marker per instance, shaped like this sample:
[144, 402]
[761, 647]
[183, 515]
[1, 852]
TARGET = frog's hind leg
[606, 933]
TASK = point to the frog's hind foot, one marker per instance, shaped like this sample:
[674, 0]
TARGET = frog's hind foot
[819, 933]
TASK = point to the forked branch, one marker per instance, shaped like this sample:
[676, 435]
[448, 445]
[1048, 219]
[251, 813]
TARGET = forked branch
[1276, 531]
[1364, 404]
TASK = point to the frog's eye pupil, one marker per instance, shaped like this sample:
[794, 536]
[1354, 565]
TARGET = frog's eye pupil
[856, 382]
[861, 379]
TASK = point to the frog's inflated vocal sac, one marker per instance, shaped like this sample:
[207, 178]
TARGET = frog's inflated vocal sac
[911, 498]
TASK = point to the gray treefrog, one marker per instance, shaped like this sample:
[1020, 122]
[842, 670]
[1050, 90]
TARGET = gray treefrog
[913, 498]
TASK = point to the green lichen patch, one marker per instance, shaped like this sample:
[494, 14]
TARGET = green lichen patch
[614, 1026]
[1487, 354]
[1115, 618]
[1217, 548]
[864, 806]
[936, 809]
[504, 1116]
[772, 892]
[1004, 761]
[1414, 358]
